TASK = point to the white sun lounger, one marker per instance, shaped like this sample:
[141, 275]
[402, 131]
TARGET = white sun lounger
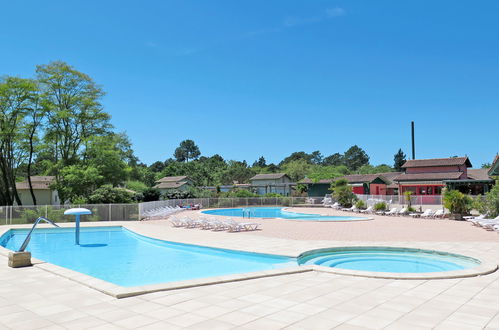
[368, 210]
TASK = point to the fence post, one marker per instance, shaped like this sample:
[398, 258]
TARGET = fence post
[109, 219]
[46, 211]
[139, 205]
[7, 215]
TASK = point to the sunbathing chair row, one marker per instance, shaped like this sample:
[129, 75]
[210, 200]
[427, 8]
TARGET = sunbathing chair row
[429, 213]
[161, 212]
[483, 222]
[215, 224]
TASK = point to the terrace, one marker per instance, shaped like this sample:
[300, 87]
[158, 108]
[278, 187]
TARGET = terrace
[42, 296]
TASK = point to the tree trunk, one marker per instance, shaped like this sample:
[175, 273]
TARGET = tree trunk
[29, 166]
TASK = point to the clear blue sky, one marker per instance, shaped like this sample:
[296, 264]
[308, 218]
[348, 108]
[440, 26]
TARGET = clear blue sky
[251, 78]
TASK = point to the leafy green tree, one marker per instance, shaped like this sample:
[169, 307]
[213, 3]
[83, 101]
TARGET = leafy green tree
[335, 159]
[237, 171]
[104, 154]
[15, 102]
[187, 150]
[369, 169]
[157, 166]
[316, 157]
[72, 102]
[111, 195]
[260, 162]
[77, 181]
[317, 173]
[355, 157]
[296, 169]
[399, 159]
[151, 195]
[299, 155]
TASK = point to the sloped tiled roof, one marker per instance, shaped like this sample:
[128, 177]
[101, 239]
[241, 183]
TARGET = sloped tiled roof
[455, 161]
[494, 169]
[310, 181]
[173, 178]
[361, 178]
[479, 174]
[428, 176]
[269, 176]
[390, 175]
[37, 182]
[170, 185]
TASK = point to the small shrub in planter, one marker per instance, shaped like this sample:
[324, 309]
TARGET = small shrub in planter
[381, 206]
[361, 205]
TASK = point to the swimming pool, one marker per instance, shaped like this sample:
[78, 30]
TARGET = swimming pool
[277, 212]
[388, 260]
[122, 257]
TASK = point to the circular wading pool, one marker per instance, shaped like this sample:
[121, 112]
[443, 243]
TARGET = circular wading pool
[388, 260]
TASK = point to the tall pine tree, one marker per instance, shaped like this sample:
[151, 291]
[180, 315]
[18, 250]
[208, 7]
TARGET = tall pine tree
[399, 160]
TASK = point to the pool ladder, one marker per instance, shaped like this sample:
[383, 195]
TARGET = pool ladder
[247, 213]
[26, 241]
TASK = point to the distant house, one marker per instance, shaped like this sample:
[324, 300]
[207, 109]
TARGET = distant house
[362, 184]
[278, 183]
[169, 183]
[41, 188]
[430, 176]
[494, 169]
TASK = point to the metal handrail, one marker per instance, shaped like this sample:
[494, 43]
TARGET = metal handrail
[26, 241]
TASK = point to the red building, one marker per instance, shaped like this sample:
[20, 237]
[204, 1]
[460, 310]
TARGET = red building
[429, 176]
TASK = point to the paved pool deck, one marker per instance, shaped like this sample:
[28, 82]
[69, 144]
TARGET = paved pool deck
[32, 298]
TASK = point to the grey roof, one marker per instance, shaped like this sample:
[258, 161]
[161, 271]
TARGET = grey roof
[429, 176]
[494, 168]
[269, 176]
[37, 182]
[479, 174]
[454, 161]
[170, 185]
[173, 178]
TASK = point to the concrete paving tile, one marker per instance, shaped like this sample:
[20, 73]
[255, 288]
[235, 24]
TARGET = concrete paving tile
[212, 325]
[237, 318]
[186, 320]
[87, 322]
[265, 324]
[316, 323]
[134, 322]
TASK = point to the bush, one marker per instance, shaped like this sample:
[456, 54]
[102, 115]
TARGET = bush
[381, 206]
[343, 193]
[360, 204]
[177, 194]
[137, 186]
[241, 193]
[151, 195]
[110, 195]
[488, 204]
[457, 202]
[272, 195]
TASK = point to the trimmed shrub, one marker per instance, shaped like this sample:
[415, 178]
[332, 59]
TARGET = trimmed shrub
[457, 202]
[360, 204]
[381, 206]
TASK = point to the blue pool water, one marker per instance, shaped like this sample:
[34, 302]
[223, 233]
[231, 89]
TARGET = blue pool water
[277, 212]
[390, 260]
[119, 256]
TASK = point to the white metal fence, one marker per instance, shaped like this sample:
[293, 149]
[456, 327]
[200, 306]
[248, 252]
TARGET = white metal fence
[401, 200]
[129, 212]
